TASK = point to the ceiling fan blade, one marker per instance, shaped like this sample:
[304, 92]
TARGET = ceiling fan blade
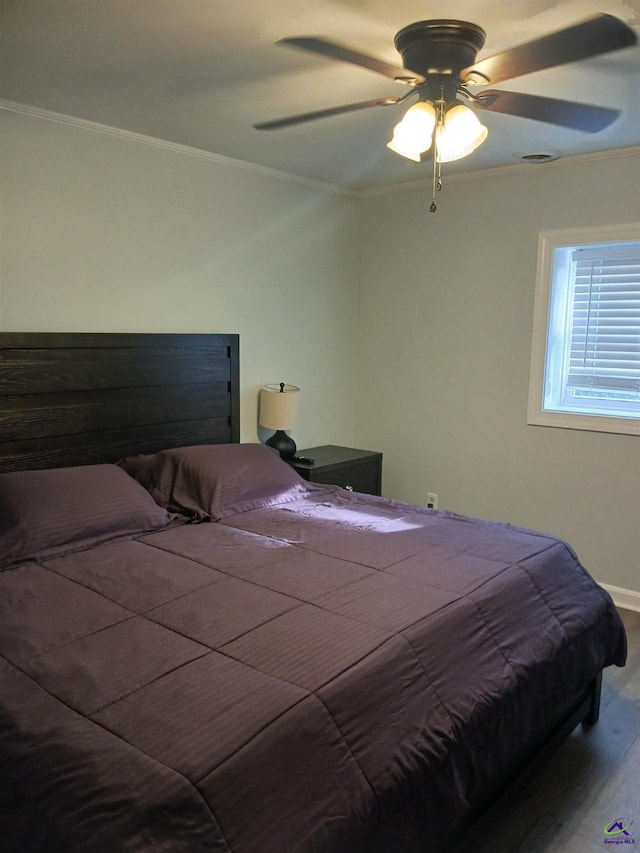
[333, 50]
[597, 35]
[585, 117]
[331, 111]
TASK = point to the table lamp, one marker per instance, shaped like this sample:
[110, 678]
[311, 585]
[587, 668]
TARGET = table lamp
[279, 411]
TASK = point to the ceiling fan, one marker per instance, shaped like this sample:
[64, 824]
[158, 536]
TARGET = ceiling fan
[439, 65]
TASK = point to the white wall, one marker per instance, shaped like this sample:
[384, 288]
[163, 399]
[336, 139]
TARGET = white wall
[445, 310]
[102, 233]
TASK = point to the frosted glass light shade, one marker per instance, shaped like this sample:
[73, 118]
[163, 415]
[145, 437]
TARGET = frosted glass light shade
[402, 146]
[412, 136]
[461, 134]
[279, 408]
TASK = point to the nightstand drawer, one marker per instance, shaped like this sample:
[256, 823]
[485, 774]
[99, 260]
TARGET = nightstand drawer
[362, 477]
[357, 470]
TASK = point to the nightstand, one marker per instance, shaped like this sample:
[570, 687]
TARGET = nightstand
[356, 470]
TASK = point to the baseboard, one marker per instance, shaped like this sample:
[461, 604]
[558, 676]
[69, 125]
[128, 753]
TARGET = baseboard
[627, 599]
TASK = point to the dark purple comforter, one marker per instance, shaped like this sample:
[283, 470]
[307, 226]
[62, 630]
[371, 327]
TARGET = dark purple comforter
[337, 674]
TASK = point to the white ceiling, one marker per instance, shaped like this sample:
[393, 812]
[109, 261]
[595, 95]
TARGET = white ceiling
[200, 72]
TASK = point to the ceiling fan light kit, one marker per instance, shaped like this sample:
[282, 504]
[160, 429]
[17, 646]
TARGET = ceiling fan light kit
[439, 65]
[458, 132]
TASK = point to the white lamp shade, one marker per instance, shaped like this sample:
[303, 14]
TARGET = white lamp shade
[461, 135]
[412, 136]
[403, 147]
[279, 408]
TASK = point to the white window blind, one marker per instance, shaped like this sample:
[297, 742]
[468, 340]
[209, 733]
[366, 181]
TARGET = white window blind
[604, 346]
[585, 343]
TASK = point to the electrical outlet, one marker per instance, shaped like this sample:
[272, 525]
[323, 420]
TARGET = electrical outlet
[432, 500]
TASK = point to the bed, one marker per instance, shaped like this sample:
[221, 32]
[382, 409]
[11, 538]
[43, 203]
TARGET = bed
[201, 651]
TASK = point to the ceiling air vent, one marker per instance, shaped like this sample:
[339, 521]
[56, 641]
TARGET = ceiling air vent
[541, 157]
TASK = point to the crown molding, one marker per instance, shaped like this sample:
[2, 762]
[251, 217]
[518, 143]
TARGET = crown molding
[611, 154]
[155, 142]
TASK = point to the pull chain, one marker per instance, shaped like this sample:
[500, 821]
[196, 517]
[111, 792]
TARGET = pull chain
[437, 167]
[433, 207]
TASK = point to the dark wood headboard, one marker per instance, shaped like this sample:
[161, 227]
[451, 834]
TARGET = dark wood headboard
[80, 399]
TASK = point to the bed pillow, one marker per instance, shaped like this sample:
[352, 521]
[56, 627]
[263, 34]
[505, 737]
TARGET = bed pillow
[53, 511]
[208, 482]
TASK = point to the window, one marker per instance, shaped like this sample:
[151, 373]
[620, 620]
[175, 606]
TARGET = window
[585, 355]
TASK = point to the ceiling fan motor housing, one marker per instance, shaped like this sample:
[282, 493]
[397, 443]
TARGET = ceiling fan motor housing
[440, 46]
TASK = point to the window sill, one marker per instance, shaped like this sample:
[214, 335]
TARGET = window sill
[590, 423]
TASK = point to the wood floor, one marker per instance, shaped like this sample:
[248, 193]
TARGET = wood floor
[592, 780]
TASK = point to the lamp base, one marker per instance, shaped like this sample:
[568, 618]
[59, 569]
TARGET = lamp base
[283, 443]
